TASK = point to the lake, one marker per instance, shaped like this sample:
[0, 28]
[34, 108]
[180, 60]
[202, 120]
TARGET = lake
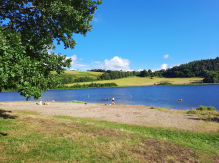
[158, 96]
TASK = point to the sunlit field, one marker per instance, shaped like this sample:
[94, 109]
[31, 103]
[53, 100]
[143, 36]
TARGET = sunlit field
[143, 81]
[78, 74]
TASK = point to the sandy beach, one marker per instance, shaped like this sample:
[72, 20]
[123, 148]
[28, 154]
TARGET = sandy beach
[129, 114]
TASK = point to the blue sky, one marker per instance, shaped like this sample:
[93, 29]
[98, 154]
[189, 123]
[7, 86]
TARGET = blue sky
[147, 34]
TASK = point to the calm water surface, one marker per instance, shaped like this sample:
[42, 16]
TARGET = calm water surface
[157, 96]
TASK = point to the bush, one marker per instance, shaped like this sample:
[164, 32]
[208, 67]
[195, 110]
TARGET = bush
[209, 108]
[201, 108]
[164, 83]
[191, 112]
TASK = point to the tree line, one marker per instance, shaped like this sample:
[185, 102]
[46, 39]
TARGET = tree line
[91, 85]
[209, 69]
[117, 74]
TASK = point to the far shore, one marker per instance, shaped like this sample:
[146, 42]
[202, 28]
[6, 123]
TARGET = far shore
[126, 86]
[128, 114]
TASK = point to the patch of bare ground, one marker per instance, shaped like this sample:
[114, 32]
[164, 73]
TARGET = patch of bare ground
[129, 114]
[152, 150]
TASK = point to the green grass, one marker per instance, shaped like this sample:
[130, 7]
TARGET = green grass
[78, 74]
[192, 139]
[206, 113]
[31, 137]
[144, 81]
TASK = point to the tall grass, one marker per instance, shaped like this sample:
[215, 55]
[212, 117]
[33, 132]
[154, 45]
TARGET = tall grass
[206, 112]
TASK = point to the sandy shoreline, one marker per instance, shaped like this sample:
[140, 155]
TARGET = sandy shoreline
[129, 114]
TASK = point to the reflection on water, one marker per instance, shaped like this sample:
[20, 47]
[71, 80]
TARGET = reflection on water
[157, 96]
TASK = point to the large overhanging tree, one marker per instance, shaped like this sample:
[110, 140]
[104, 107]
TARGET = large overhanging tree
[25, 63]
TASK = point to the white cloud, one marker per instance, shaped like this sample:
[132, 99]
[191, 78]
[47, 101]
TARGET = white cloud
[140, 70]
[73, 58]
[166, 56]
[117, 63]
[74, 63]
[163, 66]
[96, 62]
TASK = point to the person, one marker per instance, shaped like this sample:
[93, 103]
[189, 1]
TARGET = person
[41, 102]
[105, 98]
[113, 100]
[108, 99]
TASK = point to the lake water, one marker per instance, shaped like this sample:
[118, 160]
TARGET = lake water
[157, 96]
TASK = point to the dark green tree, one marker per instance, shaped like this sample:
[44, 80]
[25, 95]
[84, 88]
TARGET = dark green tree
[150, 71]
[25, 63]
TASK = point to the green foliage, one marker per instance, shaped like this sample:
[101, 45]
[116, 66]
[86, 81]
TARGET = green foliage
[195, 69]
[92, 85]
[209, 108]
[206, 112]
[144, 73]
[211, 77]
[191, 112]
[163, 83]
[117, 74]
[25, 63]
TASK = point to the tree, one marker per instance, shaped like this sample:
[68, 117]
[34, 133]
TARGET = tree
[25, 63]
[144, 73]
[211, 77]
[150, 71]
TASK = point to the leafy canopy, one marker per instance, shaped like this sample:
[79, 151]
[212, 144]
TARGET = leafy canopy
[25, 63]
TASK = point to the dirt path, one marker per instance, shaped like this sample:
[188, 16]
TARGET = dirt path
[129, 114]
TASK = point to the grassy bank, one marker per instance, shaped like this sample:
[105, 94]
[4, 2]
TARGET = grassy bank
[143, 81]
[31, 137]
[79, 74]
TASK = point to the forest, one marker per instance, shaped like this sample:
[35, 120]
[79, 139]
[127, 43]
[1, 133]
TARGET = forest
[209, 69]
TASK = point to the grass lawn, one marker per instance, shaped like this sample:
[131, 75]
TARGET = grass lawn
[143, 81]
[31, 137]
[78, 74]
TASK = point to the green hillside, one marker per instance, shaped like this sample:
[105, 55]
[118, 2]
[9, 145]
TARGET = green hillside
[78, 74]
[143, 81]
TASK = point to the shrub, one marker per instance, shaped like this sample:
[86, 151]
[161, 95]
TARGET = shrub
[164, 83]
[191, 112]
[201, 108]
[209, 108]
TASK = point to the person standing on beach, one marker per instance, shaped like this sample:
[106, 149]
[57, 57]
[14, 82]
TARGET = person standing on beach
[113, 100]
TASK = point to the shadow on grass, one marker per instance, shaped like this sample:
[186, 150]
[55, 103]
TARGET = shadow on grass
[5, 114]
[215, 119]
[197, 119]
[3, 134]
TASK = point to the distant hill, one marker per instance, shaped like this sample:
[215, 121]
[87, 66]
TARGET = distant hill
[209, 69]
[193, 69]
[78, 76]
